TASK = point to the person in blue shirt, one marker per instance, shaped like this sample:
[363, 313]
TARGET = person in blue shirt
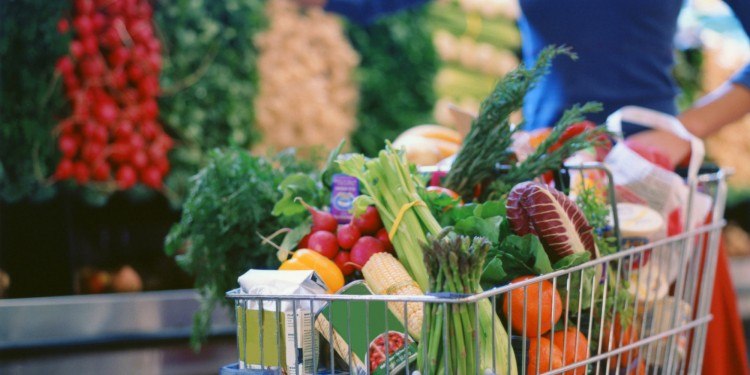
[625, 54]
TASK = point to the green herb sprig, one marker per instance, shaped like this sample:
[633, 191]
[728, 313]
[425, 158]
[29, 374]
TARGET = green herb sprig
[489, 140]
[216, 239]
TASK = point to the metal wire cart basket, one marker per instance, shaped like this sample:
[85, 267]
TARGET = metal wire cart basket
[355, 330]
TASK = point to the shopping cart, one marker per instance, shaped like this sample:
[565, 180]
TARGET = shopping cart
[665, 334]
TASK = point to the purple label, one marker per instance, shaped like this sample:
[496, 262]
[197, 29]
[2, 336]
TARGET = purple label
[345, 189]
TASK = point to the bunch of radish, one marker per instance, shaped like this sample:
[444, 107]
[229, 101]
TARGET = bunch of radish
[111, 79]
[350, 245]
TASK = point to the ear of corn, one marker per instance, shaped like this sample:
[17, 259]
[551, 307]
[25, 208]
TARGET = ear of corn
[384, 274]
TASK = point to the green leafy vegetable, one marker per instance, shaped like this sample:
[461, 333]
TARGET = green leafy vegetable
[208, 81]
[298, 185]
[31, 96]
[396, 77]
[217, 238]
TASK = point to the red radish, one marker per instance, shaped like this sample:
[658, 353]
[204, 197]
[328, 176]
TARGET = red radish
[120, 152]
[92, 67]
[382, 235]
[137, 142]
[81, 173]
[83, 25]
[126, 177]
[324, 243]
[90, 45]
[369, 222]
[162, 165]
[152, 178]
[106, 112]
[76, 49]
[321, 220]
[92, 152]
[63, 26]
[149, 129]
[89, 129]
[64, 65]
[64, 169]
[304, 242]
[347, 235]
[150, 109]
[101, 172]
[135, 72]
[111, 81]
[124, 130]
[84, 6]
[101, 134]
[68, 145]
[139, 159]
[343, 260]
[364, 248]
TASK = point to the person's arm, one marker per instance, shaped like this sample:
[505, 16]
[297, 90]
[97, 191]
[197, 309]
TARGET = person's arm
[723, 106]
[363, 11]
[731, 101]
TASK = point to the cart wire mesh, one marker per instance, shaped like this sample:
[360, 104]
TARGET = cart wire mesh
[665, 332]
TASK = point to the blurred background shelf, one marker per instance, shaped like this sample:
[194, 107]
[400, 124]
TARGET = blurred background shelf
[135, 333]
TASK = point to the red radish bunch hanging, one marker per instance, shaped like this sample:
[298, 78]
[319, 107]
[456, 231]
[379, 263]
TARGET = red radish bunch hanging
[111, 79]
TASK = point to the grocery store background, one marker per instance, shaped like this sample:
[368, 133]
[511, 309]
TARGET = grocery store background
[84, 256]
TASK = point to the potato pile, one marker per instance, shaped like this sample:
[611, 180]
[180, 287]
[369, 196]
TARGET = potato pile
[307, 93]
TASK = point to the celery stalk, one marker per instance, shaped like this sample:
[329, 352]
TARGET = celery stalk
[388, 183]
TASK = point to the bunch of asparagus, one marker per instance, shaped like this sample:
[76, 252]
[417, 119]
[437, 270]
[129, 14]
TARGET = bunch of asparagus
[456, 342]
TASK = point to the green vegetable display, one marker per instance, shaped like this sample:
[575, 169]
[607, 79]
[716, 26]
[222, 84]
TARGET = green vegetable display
[31, 96]
[208, 80]
[229, 205]
[396, 74]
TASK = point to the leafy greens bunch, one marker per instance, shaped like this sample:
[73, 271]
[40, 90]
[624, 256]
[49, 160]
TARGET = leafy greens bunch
[217, 239]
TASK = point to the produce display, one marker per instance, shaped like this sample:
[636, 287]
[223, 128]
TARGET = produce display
[111, 79]
[307, 93]
[478, 43]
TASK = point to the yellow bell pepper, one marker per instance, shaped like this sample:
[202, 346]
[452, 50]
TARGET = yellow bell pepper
[305, 259]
